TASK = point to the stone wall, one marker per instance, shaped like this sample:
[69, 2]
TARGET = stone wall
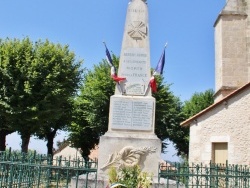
[231, 65]
[232, 48]
[227, 122]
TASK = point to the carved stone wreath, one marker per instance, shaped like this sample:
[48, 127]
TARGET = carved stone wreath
[128, 156]
[137, 30]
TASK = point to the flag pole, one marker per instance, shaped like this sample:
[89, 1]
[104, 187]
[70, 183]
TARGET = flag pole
[154, 72]
[112, 65]
[165, 45]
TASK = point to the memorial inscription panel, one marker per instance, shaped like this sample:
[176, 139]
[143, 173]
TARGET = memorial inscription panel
[132, 114]
[135, 70]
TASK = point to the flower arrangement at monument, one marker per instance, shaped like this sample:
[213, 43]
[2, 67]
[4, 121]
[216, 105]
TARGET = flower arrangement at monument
[129, 177]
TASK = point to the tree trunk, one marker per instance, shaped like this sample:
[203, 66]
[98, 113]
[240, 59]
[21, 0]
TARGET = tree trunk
[3, 135]
[25, 142]
[50, 142]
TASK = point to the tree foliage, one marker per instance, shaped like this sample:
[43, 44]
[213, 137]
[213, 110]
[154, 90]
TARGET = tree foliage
[37, 82]
[168, 117]
[92, 110]
[60, 78]
[198, 102]
[18, 108]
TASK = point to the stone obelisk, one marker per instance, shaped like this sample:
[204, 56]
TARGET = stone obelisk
[130, 139]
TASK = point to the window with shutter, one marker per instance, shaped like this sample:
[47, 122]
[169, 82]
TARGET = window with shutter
[220, 153]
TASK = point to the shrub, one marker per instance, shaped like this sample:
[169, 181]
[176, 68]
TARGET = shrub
[129, 177]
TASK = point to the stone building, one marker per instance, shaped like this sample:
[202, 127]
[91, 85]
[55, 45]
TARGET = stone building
[68, 152]
[221, 132]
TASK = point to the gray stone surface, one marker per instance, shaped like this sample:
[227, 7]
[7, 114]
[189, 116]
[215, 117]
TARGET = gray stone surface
[130, 139]
[235, 6]
[132, 113]
[148, 160]
[101, 183]
[135, 54]
[89, 180]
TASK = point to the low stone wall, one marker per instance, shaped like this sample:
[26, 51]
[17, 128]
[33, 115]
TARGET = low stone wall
[92, 182]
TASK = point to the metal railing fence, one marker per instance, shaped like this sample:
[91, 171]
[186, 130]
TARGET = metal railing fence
[19, 170]
[209, 176]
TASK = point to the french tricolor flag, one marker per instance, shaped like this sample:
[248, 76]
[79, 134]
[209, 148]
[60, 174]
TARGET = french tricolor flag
[113, 69]
[158, 71]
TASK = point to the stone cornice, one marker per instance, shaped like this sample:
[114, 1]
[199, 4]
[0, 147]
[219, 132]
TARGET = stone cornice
[225, 13]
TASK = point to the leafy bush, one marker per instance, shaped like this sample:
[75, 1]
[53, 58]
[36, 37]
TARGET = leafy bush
[129, 177]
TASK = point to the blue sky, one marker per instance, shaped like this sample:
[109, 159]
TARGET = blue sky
[187, 26]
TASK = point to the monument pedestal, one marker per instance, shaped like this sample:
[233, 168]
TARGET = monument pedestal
[131, 149]
[130, 139]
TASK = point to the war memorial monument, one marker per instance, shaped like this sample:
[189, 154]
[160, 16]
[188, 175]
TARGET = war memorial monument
[130, 139]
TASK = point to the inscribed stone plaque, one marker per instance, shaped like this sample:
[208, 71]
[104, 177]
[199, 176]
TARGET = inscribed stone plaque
[134, 68]
[132, 114]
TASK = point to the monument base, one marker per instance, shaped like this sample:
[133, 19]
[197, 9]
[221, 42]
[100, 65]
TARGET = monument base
[101, 183]
[129, 149]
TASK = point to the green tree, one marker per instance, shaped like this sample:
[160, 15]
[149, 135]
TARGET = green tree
[198, 102]
[37, 83]
[60, 80]
[92, 109]
[168, 117]
[17, 109]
